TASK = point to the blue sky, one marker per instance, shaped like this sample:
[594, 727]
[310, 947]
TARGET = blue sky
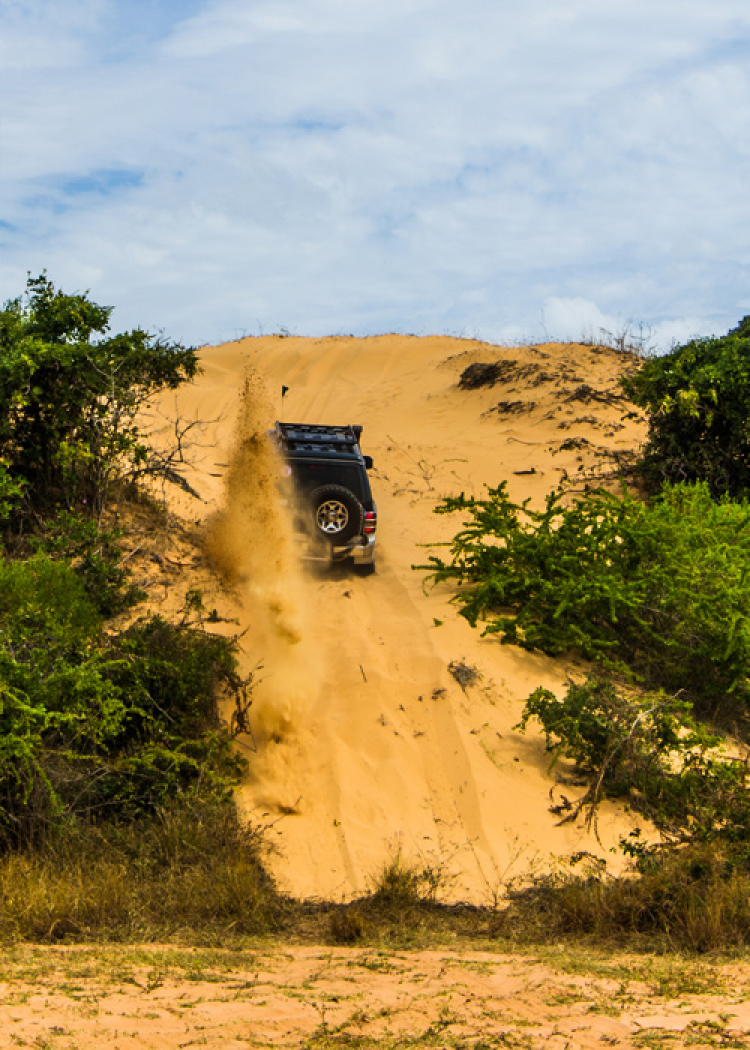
[493, 169]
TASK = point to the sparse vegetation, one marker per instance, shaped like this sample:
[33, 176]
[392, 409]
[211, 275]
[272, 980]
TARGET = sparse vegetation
[694, 900]
[189, 870]
[489, 373]
[464, 673]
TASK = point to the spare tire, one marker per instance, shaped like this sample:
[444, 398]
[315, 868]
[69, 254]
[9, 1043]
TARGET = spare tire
[337, 514]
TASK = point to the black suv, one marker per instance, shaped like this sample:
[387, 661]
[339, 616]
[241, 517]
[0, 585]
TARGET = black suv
[334, 507]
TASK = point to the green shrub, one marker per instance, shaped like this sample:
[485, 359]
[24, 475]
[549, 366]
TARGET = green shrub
[42, 599]
[92, 726]
[402, 883]
[70, 397]
[93, 554]
[116, 772]
[657, 590]
[698, 401]
[649, 750]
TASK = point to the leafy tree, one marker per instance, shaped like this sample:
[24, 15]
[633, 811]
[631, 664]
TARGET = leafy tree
[658, 590]
[70, 395]
[698, 400]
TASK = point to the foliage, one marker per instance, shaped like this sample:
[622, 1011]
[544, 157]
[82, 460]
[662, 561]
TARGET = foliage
[697, 398]
[650, 750]
[187, 867]
[93, 554]
[11, 491]
[116, 772]
[694, 898]
[69, 399]
[658, 590]
[94, 727]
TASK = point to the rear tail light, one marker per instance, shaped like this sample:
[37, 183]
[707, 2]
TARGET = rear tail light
[371, 521]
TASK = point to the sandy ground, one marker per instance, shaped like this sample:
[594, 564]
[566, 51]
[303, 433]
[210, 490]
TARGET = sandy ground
[130, 999]
[367, 744]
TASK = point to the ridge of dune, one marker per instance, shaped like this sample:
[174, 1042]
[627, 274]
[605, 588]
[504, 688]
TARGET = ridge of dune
[368, 746]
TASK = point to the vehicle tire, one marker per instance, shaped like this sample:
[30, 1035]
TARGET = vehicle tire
[337, 514]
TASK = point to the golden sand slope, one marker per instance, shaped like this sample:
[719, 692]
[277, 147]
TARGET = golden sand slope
[368, 745]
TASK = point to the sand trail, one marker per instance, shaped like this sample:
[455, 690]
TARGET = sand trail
[368, 744]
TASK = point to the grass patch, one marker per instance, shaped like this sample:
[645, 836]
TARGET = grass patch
[193, 875]
[190, 871]
[693, 899]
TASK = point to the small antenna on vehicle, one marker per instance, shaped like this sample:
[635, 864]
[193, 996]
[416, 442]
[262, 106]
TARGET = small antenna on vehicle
[284, 392]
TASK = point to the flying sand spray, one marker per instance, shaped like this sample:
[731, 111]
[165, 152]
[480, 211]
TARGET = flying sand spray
[252, 542]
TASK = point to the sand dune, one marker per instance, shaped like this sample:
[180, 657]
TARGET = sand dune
[367, 743]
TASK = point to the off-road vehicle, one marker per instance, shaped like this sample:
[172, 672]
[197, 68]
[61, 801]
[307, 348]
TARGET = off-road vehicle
[333, 505]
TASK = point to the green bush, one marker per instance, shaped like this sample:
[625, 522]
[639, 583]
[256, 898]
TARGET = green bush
[116, 772]
[649, 750]
[698, 401]
[94, 727]
[93, 554]
[70, 396]
[657, 590]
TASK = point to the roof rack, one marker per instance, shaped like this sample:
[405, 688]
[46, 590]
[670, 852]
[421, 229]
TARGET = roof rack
[309, 437]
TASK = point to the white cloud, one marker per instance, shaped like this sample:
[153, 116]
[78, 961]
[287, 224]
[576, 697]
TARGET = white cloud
[329, 165]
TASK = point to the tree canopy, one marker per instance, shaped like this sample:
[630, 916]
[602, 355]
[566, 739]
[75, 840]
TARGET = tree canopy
[698, 398]
[70, 395]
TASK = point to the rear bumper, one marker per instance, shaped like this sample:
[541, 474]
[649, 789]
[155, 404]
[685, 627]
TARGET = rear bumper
[360, 551]
[364, 552]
